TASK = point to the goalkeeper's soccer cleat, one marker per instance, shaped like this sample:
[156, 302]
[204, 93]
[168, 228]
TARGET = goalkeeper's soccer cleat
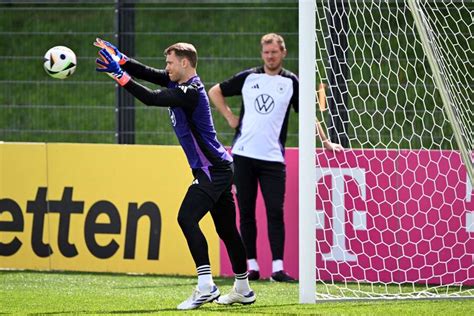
[237, 298]
[199, 298]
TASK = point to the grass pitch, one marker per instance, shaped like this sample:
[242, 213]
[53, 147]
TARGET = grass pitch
[26, 292]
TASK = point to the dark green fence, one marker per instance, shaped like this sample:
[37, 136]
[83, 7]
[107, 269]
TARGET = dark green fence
[392, 102]
[82, 108]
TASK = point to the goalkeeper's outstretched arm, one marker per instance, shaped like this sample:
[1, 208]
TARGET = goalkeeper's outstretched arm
[184, 95]
[186, 98]
[133, 67]
[150, 74]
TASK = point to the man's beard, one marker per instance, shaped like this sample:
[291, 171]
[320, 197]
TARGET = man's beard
[273, 68]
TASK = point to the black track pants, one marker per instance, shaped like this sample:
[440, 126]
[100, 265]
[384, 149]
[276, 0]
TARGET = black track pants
[215, 196]
[271, 176]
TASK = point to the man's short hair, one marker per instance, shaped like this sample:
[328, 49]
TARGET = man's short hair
[185, 50]
[273, 38]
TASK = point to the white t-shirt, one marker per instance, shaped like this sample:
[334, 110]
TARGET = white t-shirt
[263, 123]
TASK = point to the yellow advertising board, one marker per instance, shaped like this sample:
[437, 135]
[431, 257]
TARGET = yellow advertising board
[91, 207]
[22, 171]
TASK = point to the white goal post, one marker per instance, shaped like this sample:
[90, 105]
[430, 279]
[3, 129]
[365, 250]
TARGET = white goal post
[307, 77]
[392, 216]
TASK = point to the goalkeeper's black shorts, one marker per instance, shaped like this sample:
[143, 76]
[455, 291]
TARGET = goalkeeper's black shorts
[214, 181]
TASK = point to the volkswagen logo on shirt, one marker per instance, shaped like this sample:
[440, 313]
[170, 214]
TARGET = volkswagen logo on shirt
[172, 117]
[264, 104]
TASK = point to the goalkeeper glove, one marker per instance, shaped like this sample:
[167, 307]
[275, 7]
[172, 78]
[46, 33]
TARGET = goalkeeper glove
[117, 55]
[108, 65]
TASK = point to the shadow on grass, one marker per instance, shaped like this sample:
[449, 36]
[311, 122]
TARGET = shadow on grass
[208, 309]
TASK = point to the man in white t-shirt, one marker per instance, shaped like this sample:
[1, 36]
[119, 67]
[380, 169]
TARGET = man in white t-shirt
[268, 92]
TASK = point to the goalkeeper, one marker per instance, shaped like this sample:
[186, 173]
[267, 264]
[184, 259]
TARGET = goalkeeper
[211, 165]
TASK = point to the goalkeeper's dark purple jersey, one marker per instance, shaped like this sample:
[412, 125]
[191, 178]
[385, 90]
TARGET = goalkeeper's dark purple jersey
[189, 112]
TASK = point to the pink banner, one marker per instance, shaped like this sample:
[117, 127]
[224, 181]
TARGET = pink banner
[382, 216]
[291, 226]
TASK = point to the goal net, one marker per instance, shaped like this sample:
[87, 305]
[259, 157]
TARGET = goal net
[394, 212]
